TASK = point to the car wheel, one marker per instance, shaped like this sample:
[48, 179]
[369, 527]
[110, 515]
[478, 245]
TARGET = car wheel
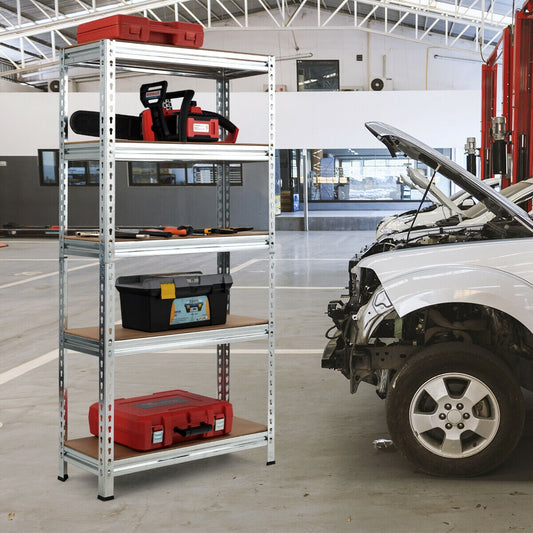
[455, 409]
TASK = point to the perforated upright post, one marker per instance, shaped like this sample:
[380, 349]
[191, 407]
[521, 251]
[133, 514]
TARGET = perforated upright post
[223, 221]
[106, 312]
[271, 270]
[63, 267]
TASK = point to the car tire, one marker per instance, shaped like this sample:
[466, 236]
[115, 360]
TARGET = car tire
[455, 409]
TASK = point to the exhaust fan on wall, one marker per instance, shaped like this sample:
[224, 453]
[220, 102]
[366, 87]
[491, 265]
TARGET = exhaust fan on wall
[380, 84]
[53, 86]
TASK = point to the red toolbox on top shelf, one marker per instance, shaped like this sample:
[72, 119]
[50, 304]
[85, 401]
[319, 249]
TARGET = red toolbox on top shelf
[142, 29]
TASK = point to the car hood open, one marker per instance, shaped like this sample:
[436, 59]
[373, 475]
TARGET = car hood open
[399, 142]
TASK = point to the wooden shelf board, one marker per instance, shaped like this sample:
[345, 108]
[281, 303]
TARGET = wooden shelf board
[89, 445]
[174, 238]
[123, 334]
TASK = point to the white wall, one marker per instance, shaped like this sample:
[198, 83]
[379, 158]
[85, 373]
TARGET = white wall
[434, 98]
[10, 86]
[303, 120]
[441, 119]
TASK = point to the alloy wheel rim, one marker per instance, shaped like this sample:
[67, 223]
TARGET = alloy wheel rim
[454, 415]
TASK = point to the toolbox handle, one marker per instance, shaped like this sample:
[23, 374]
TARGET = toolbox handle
[198, 430]
[176, 29]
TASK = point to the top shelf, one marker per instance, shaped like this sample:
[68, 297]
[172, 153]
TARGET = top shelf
[163, 59]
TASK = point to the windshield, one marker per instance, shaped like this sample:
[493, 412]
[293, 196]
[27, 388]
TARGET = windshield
[399, 142]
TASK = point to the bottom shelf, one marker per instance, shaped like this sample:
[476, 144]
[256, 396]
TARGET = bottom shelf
[244, 435]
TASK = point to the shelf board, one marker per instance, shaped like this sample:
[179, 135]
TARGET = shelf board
[130, 341]
[175, 60]
[249, 240]
[245, 434]
[168, 151]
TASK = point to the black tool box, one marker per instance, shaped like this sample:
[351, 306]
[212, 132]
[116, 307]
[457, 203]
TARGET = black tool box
[166, 418]
[160, 302]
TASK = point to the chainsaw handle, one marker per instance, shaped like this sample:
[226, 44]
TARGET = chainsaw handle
[187, 95]
[153, 96]
[153, 93]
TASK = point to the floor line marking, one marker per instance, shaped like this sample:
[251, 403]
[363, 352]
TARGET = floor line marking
[311, 259]
[24, 368]
[244, 265]
[279, 351]
[305, 259]
[280, 287]
[42, 276]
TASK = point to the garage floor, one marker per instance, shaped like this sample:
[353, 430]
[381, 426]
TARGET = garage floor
[328, 476]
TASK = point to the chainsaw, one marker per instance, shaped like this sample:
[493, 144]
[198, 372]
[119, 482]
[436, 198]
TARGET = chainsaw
[159, 121]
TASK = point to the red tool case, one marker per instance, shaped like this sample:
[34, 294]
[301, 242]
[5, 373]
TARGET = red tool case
[166, 418]
[142, 29]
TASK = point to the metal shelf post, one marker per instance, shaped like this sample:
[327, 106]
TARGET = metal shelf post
[63, 270]
[223, 221]
[106, 312]
[271, 277]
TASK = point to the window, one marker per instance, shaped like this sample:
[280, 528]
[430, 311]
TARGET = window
[147, 173]
[48, 165]
[140, 173]
[317, 75]
[79, 172]
[350, 175]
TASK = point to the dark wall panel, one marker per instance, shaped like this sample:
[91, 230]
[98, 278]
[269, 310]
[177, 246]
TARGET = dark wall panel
[22, 199]
[25, 202]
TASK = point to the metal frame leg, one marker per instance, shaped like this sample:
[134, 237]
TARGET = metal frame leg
[106, 326]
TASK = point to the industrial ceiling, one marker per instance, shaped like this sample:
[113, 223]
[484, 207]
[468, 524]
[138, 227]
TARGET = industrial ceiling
[32, 31]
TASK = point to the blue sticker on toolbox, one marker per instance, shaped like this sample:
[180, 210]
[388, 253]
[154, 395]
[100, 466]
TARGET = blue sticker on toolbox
[192, 309]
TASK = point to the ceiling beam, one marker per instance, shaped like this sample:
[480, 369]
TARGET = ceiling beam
[63, 21]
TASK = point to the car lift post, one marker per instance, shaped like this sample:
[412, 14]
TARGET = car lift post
[516, 46]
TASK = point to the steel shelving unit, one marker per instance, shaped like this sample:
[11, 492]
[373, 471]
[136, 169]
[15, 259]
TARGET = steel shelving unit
[100, 455]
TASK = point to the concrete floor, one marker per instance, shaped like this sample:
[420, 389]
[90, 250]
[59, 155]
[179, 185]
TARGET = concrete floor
[328, 477]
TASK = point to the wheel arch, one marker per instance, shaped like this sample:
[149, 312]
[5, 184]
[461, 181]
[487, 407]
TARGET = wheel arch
[446, 284]
[509, 339]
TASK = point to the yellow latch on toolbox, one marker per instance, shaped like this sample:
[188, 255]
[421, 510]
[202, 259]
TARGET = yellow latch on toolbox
[168, 291]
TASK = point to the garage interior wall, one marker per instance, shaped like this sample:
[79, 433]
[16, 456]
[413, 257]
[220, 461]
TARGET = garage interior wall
[442, 116]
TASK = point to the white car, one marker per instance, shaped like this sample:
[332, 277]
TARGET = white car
[443, 207]
[440, 321]
[438, 209]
